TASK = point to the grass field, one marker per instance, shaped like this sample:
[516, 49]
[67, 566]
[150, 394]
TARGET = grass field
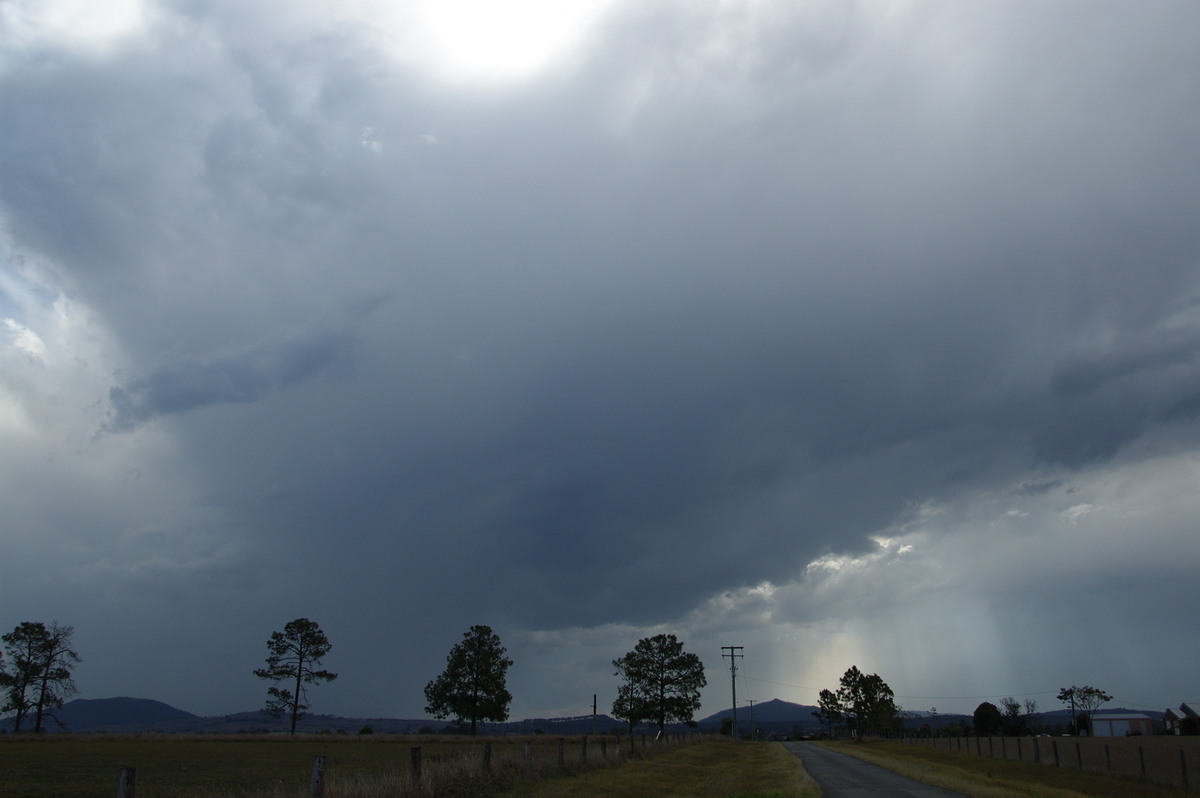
[169, 766]
[178, 766]
[983, 777]
[713, 769]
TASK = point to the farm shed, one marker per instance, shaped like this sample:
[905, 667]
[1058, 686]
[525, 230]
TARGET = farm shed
[1121, 724]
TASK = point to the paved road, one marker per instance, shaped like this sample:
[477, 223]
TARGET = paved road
[844, 776]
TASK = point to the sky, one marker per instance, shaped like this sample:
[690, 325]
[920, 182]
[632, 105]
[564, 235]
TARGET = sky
[852, 333]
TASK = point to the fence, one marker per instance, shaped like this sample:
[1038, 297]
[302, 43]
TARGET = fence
[495, 760]
[1166, 760]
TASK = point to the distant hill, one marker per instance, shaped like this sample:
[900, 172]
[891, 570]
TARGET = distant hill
[134, 715]
[774, 718]
[103, 714]
[773, 711]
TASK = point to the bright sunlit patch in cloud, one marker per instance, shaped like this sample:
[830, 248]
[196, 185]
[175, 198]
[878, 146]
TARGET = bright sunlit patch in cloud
[74, 23]
[24, 338]
[482, 40]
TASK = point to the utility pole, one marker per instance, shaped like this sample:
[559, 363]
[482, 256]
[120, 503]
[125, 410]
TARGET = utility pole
[593, 713]
[734, 655]
[753, 736]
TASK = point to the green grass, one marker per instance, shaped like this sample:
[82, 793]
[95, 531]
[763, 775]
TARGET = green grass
[712, 768]
[984, 777]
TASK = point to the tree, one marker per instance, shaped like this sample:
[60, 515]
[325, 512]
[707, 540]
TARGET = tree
[473, 685]
[294, 658]
[1014, 722]
[634, 704]
[988, 720]
[1086, 699]
[22, 645]
[868, 700]
[661, 682]
[41, 677]
[829, 709]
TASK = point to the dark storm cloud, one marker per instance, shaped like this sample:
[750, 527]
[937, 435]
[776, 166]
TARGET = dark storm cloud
[243, 374]
[734, 292]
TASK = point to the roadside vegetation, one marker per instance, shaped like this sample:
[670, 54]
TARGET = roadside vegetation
[718, 768]
[983, 777]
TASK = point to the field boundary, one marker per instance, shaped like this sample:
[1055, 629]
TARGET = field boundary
[1167, 760]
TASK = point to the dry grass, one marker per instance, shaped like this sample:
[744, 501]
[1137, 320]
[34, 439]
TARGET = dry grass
[983, 777]
[713, 769]
[276, 766]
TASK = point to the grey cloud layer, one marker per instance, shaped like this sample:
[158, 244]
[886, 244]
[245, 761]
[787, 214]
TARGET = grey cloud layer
[727, 295]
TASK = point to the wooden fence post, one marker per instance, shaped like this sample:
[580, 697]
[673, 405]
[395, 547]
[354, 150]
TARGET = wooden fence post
[528, 754]
[561, 743]
[487, 757]
[1078, 755]
[1107, 758]
[127, 783]
[415, 752]
[1142, 761]
[583, 749]
[316, 785]
[1183, 768]
[1054, 745]
[1037, 750]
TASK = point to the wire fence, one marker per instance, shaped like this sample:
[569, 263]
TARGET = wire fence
[1168, 760]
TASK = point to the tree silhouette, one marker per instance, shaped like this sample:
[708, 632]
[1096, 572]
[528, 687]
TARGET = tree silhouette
[661, 682]
[296, 654]
[41, 677]
[472, 687]
[868, 700]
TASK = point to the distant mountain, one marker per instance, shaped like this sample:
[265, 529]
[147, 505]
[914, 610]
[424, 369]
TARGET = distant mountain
[101, 714]
[773, 711]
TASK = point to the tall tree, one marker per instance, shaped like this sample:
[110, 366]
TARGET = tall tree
[294, 659]
[988, 720]
[22, 645]
[1086, 699]
[661, 682]
[868, 700]
[54, 682]
[40, 679]
[472, 687]
[829, 710]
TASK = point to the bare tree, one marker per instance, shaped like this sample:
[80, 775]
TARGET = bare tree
[1018, 719]
[1086, 699]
